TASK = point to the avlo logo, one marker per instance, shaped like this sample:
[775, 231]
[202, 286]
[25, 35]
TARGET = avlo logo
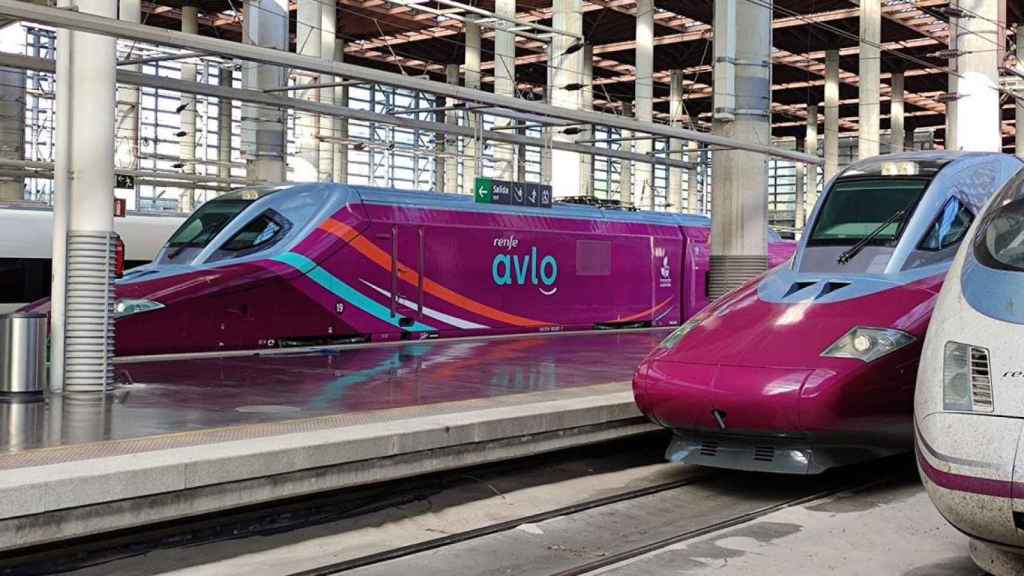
[508, 269]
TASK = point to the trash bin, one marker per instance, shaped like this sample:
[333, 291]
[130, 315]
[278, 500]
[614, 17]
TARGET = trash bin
[23, 353]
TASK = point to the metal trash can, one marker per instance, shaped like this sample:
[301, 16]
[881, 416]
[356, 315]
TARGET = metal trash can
[22, 353]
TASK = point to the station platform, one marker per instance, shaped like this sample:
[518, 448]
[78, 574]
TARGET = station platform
[186, 436]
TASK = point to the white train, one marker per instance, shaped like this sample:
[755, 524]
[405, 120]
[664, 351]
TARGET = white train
[26, 247]
[969, 400]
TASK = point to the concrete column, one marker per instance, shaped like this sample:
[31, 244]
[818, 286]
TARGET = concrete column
[643, 191]
[896, 131]
[306, 162]
[869, 76]
[88, 326]
[12, 128]
[340, 163]
[325, 124]
[909, 141]
[626, 166]
[126, 128]
[263, 135]
[471, 157]
[187, 116]
[692, 182]
[978, 85]
[831, 114]
[565, 71]
[451, 165]
[739, 228]
[810, 173]
[675, 145]
[587, 103]
[505, 84]
[1019, 111]
[224, 121]
[952, 90]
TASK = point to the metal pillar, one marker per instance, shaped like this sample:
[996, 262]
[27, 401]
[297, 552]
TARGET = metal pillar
[810, 171]
[675, 145]
[869, 100]
[88, 323]
[12, 129]
[565, 71]
[224, 122]
[739, 229]
[626, 166]
[978, 85]
[505, 84]
[952, 88]
[126, 132]
[831, 114]
[325, 124]
[451, 143]
[187, 115]
[1019, 108]
[306, 162]
[587, 103]
[644, 98]
[692, 182]
[472, 151]
[340, 125]
[546, 152]
[896, 130]
[263, 135]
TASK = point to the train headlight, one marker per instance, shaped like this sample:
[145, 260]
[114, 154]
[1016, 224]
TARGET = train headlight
[129, 306]
[868, 344]
[966, 378]
[677, 335]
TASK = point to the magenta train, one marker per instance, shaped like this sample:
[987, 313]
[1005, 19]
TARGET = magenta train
[813, 365]
[325, 263]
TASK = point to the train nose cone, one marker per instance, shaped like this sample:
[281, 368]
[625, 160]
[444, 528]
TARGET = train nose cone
[729, 398]
[756, 399]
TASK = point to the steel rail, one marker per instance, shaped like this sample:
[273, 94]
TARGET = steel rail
[450, 539]
[121, 29]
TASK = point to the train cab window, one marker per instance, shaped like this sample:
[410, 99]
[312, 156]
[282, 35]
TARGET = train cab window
[860, 207]
[948, 228]
[260, 233]
[205, 223]
[999, 242]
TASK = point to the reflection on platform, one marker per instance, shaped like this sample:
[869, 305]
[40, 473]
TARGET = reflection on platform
[185, 395]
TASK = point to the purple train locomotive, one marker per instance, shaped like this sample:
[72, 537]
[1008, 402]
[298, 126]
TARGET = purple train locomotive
[327, 263]
[813, 365]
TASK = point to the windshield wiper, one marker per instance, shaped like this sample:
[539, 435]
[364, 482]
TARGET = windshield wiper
[856, 248]
[177, 250]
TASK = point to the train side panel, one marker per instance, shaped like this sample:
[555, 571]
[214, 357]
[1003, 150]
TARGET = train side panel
[497, 272]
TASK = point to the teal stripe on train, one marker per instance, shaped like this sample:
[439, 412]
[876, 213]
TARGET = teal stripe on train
[347, 293]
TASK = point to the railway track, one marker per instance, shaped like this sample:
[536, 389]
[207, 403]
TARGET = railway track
[385, 562]
[673, 506]
[449, 540]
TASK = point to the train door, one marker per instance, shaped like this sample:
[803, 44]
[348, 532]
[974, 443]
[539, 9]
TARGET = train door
[408, 264]
[633, 267]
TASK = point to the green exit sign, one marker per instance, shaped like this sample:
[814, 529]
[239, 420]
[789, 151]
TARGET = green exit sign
[491, 191]
[483, 190]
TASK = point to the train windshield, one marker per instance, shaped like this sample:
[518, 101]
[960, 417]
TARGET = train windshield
[872, 209]
[207, 221]
[999, 243]
[204, 224]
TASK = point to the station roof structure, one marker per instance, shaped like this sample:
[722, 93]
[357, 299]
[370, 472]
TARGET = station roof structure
[391, 35]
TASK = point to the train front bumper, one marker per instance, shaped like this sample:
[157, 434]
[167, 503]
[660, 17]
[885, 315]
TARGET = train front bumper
[787, 420]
